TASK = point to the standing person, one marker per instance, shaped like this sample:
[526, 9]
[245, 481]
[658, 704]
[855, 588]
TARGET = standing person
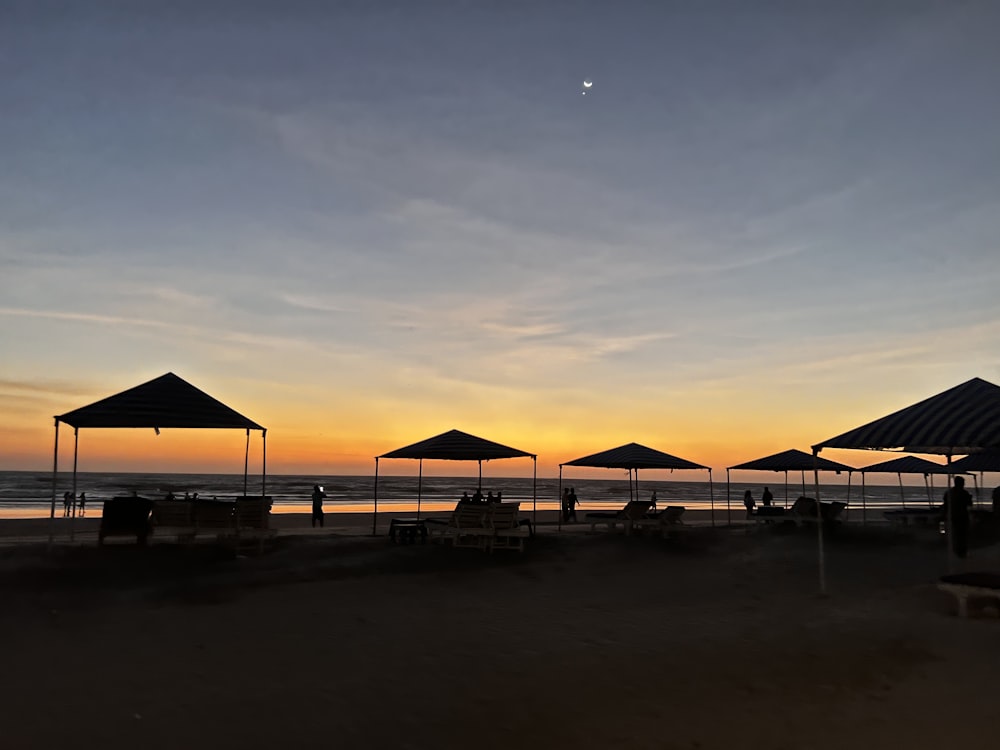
[317, 498]
[652, 501]
[749, 503]
[83, 504]
[66, 502]
[565, 504]
[957, 502]
[767, 498]
[572, 505]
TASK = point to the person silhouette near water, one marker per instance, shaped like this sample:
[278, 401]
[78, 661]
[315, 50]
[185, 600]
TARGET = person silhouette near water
[749, 502]
[317, 498]
[767, 498]
[66, 503]
[570, 508]
[83, 504]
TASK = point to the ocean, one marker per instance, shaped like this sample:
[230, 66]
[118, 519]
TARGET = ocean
[27, 494]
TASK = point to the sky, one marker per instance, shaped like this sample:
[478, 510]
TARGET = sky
[365, 223]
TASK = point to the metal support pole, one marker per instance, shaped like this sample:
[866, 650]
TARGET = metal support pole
[559, 501]
[375, 510]
[246, 463]
[711, 492]
[76, 453]
[902, 495]
[263, 464]
[729, 513]
[864, 507]
[55, 473]
[534, 492]
[819, 526]
[420, 484]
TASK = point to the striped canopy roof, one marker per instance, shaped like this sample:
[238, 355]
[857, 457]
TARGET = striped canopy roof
[988, 461]
[792, 460]
[166, 401]
[964, 419]
[455, 445]
[634, 456]
[906, 465]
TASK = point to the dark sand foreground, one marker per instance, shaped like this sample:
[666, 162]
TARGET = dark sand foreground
[716, 640]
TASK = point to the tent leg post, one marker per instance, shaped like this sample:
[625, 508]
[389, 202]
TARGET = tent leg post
[55, 475]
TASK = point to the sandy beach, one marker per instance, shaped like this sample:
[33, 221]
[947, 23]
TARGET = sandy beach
[715, 639]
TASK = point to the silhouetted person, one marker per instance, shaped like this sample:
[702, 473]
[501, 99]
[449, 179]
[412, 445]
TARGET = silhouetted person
[957, 502]
[571, 505]
[749, 502]
[66, 503]
[499, 497]
[767, 498]
[465, 498]
[317, 498]
[83, 504]
[489, 496]
[652, 501]
[477, 496]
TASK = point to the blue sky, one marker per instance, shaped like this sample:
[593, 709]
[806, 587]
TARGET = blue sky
[406, 216]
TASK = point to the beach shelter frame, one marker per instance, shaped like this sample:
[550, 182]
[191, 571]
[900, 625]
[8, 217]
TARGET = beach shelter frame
[456, 445]
[962, 420]
[900, 466]
[632, 457]
[786, 461]
[162, 403]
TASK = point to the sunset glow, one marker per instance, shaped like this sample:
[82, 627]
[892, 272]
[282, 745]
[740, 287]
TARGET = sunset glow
[346, 236]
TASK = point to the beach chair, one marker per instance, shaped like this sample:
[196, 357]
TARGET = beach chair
[253, 521]
[508, 533]
[214, 517]
[665, 521]
[467, 527]
[966, 586]
[634, 510]
[174, 518]
[803, 511]
[126, 516]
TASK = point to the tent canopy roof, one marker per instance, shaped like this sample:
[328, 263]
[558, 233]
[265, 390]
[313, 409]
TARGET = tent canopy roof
[964, 419]
[792, 460]
[634, 456]
[166, 401]
[988, 461]
[906, 465]
[455, 445]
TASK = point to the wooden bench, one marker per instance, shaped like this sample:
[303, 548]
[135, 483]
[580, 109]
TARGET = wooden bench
[966, 586]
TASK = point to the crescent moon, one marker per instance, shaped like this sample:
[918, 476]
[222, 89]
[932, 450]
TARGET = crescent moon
[588, 84]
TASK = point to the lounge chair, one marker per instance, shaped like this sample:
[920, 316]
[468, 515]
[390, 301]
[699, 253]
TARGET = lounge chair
[467, 527]
[965, 586]
[508, 532]
[174, 518]
[253, 521]
[634, 510]
[803, 511]
[665, 521]
[126, 516]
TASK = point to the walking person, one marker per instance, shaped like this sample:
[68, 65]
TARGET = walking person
[957, 503]
[66, 503]
[317, 498]
[83, 504]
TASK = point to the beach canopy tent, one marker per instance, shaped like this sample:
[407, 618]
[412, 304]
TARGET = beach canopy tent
[456, 445]
[987, 461]
[962, 420]
[786, 461]
[633, 457]
[163, 403]
[900, 466]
